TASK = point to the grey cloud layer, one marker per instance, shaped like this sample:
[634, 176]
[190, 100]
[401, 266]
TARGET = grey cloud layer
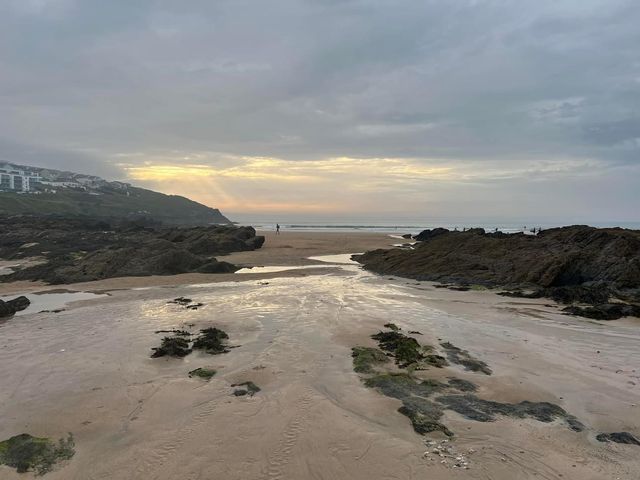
[459, 80]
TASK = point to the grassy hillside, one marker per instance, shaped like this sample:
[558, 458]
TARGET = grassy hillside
[169, 209]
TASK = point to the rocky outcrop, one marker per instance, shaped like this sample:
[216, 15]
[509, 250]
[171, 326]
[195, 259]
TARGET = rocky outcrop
[80, 251]
[11, 307]
[577, 264]
[429, 234]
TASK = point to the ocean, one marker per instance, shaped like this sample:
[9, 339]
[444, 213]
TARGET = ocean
[415, 227]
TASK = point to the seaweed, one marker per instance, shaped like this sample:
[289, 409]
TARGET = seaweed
[392, 326]
[181, 301]
[462, 357]
[172, 347]
[250, 389]
[181, 333]
[212, 341]
[406, 350]
[186, 302]
[25, 452]
[364, 359]
[206, 373]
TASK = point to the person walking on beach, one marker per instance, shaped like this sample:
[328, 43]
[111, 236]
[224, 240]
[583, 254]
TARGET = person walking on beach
[277, 229]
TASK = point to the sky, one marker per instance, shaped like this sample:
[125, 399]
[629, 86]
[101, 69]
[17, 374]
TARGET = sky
[335, 109]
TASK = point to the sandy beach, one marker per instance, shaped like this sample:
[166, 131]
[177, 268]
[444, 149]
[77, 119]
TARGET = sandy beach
[87, 370]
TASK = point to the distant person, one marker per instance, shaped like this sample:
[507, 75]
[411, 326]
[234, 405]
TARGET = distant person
[277, 229]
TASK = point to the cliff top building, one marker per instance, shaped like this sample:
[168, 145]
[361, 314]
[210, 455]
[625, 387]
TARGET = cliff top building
[15, 180]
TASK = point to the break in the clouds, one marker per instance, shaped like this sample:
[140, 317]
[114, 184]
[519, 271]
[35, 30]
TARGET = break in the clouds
[497, 108]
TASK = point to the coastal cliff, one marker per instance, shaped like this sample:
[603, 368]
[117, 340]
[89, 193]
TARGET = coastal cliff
[573, 265]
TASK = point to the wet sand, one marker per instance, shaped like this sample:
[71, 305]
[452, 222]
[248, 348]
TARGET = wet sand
[286, 249]
[87, 371]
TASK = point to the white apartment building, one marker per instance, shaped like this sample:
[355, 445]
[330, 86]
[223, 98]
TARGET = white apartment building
[16, 180]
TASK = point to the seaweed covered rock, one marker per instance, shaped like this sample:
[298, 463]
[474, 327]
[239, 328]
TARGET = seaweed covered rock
[406, 350]
[366, 358]
[618, 437]
[172, 347]
[462, 385]
[480, 410]
[11, 307]
[462, 357]
[245, 388]
[211, 340]
[403, 385]
[424, 415]
[203, 372]
[422, 412]
[27, 453]
[425, 400]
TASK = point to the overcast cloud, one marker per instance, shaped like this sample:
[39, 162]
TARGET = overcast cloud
[320, 108]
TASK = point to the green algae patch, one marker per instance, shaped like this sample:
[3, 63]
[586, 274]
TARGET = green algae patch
[462, 357]
[206, 373]
[248, 388]
[365, 358]
[212, 341]
[27, 453]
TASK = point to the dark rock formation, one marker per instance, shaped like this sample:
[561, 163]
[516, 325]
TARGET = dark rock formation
[429, 234]
[85, 250]
[604, 311]
[10, 307]
[570, 264]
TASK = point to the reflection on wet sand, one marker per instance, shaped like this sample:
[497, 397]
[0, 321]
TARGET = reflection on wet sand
[88, 371]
